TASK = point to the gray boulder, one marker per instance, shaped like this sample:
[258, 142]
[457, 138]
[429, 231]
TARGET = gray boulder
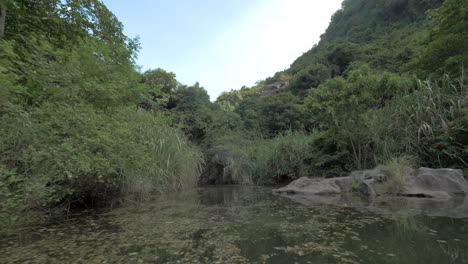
[306, 185]
[358, 180]
[367, 188]
[423, 182]
[435, 183]
[379, 174]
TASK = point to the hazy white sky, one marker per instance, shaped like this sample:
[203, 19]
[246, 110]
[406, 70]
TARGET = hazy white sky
[223, 44]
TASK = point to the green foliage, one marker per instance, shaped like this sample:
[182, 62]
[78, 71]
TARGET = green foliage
[9, 185]
[66, 23]
[248, 158]
[310, 77]
[76, 153]
[352, 93]
[192, 111]
[231, 100]
[381, 114]
[265, 161]
[446, 50]
[428, 123]
[72, 133]
[340, 104]
[328, 154]
[398, 169]
[189, 98]
[387, 35]
[79, 124]
[448, 146]
[223, 122]
[170, 163]
[161, 86]
[273, 114]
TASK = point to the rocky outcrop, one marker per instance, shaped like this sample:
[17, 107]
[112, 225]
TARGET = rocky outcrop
[218, 160]
[274, 88]
[423, 182]
[221, 167]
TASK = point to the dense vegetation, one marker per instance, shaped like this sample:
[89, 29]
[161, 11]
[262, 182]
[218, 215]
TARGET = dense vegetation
[387, 80]
[72, 132]
[81, 124]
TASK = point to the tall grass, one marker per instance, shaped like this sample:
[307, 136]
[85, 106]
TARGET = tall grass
[415, 120]
[162, 161]
[398, 169]
[64, 154]
[171, 163]
[268, 161]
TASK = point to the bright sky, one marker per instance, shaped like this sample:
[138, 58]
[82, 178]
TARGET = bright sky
[223, 44]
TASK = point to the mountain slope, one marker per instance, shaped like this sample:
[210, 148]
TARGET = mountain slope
[385, 82]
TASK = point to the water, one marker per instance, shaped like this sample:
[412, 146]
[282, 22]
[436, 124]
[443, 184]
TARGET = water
[245, 225]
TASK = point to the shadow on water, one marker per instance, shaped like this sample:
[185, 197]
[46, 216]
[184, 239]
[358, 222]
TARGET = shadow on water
[249, 225]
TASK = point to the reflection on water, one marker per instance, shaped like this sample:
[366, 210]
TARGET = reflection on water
[247, 225]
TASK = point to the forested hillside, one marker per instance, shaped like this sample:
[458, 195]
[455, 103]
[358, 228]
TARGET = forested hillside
[80, 124]
[387, 80]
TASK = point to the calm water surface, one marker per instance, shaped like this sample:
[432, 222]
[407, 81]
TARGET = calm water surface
[244, 225]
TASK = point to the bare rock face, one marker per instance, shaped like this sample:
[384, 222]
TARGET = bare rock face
[274, 88]
[423, 182]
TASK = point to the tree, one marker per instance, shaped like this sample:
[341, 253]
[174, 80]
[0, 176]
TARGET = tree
[66, 23]
[272, 115]
[188, 98]
[339, 104]
[310, 77]
[161, 86]
[160, 80]
[192, 110]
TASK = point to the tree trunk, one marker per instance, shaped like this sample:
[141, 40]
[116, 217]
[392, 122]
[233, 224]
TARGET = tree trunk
[3, 10]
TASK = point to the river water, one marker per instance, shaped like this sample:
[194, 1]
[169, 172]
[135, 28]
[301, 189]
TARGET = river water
[245, 225]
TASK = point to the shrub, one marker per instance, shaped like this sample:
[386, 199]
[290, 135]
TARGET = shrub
[69, 154]
[277, 160]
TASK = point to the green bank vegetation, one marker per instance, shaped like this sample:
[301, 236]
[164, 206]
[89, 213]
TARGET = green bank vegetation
[82, 125]
[72, 132]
